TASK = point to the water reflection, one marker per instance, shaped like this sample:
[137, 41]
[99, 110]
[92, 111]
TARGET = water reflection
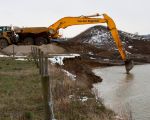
[129, 77]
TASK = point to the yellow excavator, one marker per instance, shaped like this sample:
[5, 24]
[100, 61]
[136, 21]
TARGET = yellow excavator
[43, 35]
[81, 20]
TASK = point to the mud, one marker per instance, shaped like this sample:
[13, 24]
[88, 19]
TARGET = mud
[79, 67]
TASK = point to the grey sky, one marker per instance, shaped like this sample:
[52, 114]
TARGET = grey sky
[129, 15]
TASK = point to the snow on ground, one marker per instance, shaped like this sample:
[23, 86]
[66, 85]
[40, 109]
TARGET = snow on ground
[73, 77]
[99, 37]
[92, 58]
[91, 53]
[84, 99]
[4, 56]
[130, 47]
[14, 56]
[127, 53]
[58, 58]
[21, 59]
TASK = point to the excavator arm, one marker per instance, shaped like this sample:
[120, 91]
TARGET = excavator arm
[82, 20]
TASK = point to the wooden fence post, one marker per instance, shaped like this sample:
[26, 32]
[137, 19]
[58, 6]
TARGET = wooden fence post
[46, 88]
[46, 96]
[34, 54]
[39, 54]
[42, 63]
[13, 51]
[46, 65]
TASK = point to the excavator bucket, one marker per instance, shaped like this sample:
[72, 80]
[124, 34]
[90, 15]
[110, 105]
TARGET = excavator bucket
[128, 65]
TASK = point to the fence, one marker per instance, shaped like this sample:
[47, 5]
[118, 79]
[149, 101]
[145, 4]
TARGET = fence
[41, 61]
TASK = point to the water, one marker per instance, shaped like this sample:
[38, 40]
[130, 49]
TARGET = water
[126, 92]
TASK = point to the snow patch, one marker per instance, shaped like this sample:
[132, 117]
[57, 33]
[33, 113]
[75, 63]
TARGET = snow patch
[128, 53]
[92, 58]
[14, 56]
[21, 59]
[91, 53]
[73, 77]
[130, 47]
[4, 56]
[19, 56]
[106, 60]
[84, 99]
[71, 96]
[58, 58]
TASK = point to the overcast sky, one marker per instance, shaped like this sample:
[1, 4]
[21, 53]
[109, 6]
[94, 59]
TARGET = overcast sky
[129, 15]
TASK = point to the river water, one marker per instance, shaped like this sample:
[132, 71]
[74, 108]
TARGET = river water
[126, 92]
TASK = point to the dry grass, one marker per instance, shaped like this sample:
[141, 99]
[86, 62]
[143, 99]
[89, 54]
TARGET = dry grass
[20, 91]
[21, 95]
[68, 95]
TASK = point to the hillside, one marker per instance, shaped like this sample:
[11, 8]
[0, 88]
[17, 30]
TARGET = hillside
[98, 41]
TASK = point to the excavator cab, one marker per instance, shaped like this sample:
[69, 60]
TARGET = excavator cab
[7, 36]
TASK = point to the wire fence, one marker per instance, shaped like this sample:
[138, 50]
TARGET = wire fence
[41, 61]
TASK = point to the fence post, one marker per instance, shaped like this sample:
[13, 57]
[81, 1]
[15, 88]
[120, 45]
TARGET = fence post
[46, 65]
[34, 54]
[13, 51]
[46, 88]
[39, 53]
[32, 51]
[42, 63]
[36, 51]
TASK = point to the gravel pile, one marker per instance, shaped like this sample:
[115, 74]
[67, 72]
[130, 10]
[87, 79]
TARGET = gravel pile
[26, 49]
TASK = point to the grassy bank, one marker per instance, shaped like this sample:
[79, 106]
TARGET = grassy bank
[21, 96]
[20, 91]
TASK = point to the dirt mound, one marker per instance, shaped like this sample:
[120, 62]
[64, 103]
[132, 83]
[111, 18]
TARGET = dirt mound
[52, 49]
[26, 49]
[98, 41]
[18, 50]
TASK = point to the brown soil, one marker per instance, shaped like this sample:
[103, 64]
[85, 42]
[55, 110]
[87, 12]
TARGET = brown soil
[52, 49]
[82, 70]
[26, 49]
[140, 53]
[1, 53]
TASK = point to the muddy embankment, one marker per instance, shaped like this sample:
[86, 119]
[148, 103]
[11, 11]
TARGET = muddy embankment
[90, 57]
[79, 66]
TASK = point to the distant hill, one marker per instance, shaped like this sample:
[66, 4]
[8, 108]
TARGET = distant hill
[100, 37]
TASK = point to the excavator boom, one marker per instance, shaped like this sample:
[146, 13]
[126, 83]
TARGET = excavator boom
[92, 19]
